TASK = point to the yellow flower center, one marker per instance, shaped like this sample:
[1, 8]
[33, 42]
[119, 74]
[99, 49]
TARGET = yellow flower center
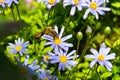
[76, 2]
[51, 1]
[63, 59]
[1, 1]
[46, 57]
[18, 48]
[93, 5]
[57, 41]
[101, 57]
[23, 70]
[46, 79]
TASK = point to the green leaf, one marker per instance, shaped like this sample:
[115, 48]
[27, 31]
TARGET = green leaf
[106, 74]
[116, 4]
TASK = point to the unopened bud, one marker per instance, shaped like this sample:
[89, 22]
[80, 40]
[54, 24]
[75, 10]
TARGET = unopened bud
[88, 31]
[79, 36]
[107, 30]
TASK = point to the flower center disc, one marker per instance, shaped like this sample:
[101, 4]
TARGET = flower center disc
[63, 59]
[46, 57]
[93, 5]
[23, 70]
[51, 1]
[46, 79]
[100, 57]
[57, 41]
[18, 48]
[1, 1]
[76, 2]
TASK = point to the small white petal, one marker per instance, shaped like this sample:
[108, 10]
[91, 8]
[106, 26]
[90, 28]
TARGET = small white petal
[86, 13]
[94, 51]
[93, 63]
[108, 65]
[61, 32]
[72, 11]
[66, 37]
[110, 56]
[90, 56]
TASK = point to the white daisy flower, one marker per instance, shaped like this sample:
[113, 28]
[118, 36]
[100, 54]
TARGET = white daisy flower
[19, 46]
[58, 42]
[49, 3]
[3, 2]
[75, 4]
[63, 58]
[95, 7]
[101, 56]
[11, 2]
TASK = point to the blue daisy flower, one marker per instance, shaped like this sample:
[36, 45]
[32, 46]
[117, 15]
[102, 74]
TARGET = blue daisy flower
[3, 2]
[101, 57]
[19, 46]
[49, 3]
[63, 58]
[58, 42]
[95, 7]
[27, 69]
[75, 4]
[11, 2]
[45, 75]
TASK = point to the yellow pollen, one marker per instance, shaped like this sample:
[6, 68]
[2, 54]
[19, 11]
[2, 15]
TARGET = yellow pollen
[23, 70]
[57, 41]
[1, 1]
[18, 48]
[76, 2]
[46, 79]
[93, 5]
[100, 57]
[46, 57]
[51, 1]
[63, 59]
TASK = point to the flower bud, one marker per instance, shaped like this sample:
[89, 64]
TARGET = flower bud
[88, 31]
[79, 35]
[107, 30]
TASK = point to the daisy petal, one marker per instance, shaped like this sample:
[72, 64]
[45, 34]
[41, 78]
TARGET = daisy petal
[93, 63]
[110, 56]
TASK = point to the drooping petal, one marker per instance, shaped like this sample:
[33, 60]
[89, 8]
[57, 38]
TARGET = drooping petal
[108, 65]
[86, 13]
[72, 11]
[93, 63]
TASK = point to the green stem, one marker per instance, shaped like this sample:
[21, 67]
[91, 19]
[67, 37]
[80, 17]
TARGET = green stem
[3, 12]
[13, 13]
[85, 48]
[78, 43]
[48, 17]
[97, 73]
[18, 11]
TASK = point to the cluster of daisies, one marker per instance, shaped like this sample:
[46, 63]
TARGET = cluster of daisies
[3, 3]
[93, 6]
[58, 56]
[28, 69]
